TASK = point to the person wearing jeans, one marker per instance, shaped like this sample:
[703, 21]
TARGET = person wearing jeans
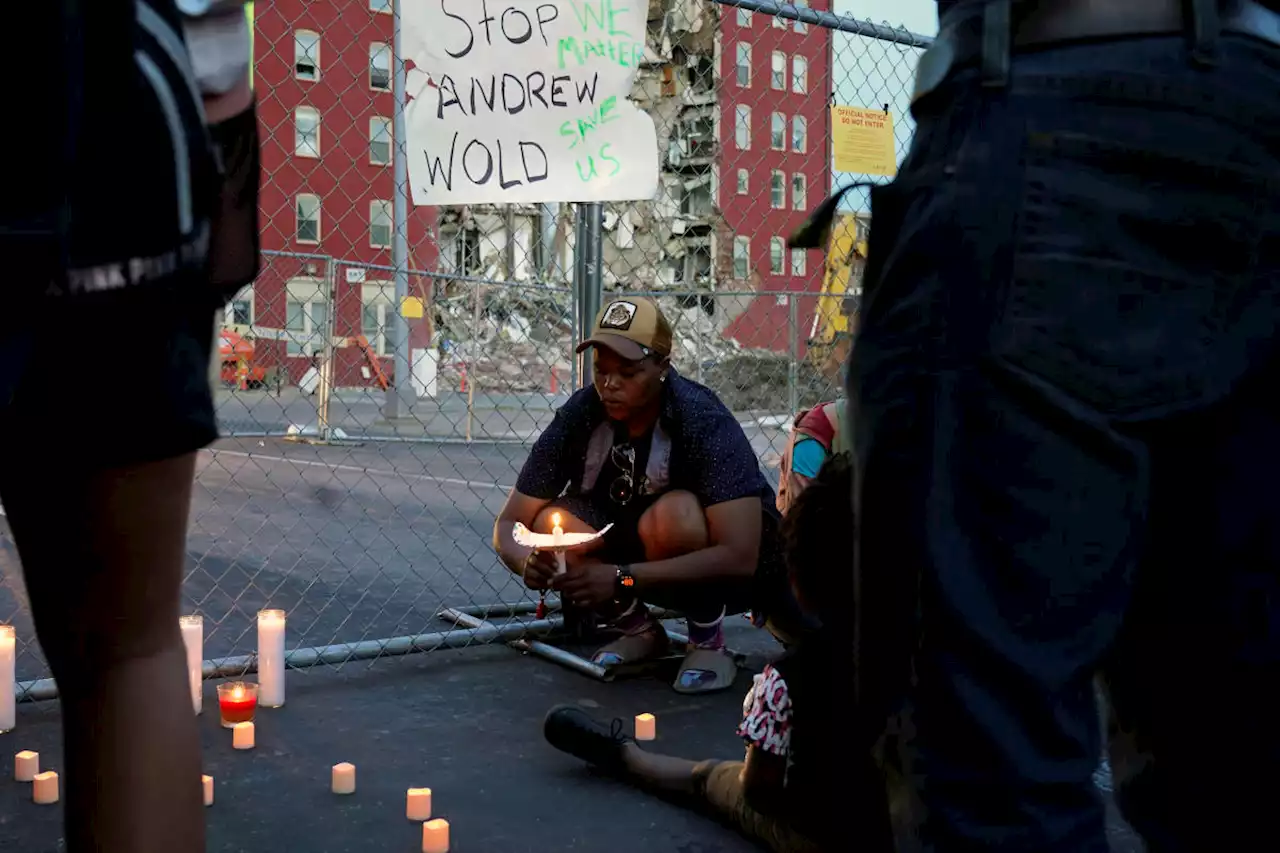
[1064, 420]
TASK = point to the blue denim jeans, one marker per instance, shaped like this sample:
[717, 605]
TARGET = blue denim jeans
[1069, 449]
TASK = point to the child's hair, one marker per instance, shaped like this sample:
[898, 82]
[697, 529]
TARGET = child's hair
[817, 537]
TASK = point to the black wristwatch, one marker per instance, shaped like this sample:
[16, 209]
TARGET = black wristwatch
[624, 583]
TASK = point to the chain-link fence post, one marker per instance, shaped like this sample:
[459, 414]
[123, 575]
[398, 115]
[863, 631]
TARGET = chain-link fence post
[400, 396]
[793, 341]
[588, 280]
[324, 391]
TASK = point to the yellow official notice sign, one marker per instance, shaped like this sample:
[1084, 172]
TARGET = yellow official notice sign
[863, 141]
[411, 308]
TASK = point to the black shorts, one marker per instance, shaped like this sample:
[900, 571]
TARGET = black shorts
[120, 385]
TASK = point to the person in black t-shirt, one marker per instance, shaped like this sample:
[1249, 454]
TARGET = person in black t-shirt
[661, 459]
[799, 788]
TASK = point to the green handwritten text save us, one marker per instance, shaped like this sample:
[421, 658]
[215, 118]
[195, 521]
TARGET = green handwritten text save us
[602, 38]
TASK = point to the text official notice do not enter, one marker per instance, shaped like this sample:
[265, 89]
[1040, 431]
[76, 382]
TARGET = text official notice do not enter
[526, 101]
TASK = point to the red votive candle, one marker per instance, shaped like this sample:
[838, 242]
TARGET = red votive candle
[237, 702]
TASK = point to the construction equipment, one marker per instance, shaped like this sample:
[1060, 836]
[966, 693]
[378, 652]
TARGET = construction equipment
[835, 319]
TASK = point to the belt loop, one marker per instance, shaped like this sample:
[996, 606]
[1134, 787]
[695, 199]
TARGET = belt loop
[1203, 25]
[997, 33]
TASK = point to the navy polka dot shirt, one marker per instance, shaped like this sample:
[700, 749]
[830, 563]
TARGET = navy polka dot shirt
[710, 454]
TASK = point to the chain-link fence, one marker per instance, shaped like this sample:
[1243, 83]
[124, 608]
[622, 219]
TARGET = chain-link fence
[414, 353]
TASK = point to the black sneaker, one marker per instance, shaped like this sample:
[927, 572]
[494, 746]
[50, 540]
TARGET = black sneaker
[570, 729]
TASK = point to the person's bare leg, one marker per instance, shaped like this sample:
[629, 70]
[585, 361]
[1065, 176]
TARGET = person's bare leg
[103, 555]
[665, 773]
[674, 526]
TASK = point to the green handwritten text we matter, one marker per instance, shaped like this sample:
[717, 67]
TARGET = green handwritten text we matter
[602, 37]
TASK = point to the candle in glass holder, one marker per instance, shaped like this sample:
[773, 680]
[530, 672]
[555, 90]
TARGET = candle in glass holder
[242, 736]
[271, 625]
[207, 782]
[44, 788]
[435, 836]
[237, 702]
[344, 778]
[193, 638]
[26, 765]
[8, 658]
[646, 727]
[418, 804]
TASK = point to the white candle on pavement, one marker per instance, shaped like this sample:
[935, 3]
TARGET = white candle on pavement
[26, 765]
[8, 659]
[271, 624]
[207, 782]
[557, 542]
[344, 778]
[646, 727]
[44, 788]
[242, 736]
[193, 639]
[418, 804]
[435, 836]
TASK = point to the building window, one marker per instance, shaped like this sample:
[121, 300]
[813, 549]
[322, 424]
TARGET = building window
[239, 311]
[744, 17]
[380, 5]
[306, 132]
[799, 75]
[742, 127]
[799, 192]
[741, 257]
[306, 55]
[777, 256]
[798, 262]
[306, 318]
[376, 315]
[380, 67]
[379, 141]
[466, 252]
[779, 22]
[778, 71]
[801, 26]
[799, 134]
[744, 64]
[777, 190]
[308, 218]
[778, 132]
[744, 181]
[380, 224]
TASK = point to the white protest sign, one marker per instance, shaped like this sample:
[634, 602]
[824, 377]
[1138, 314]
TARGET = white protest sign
[526, 101]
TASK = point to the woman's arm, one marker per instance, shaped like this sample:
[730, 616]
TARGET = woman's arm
[524, 509]
[763, 780]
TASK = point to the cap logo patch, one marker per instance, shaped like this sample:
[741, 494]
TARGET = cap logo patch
[618, 316]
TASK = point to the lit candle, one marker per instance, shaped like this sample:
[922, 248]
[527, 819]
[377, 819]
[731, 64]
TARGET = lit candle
[242, 736]
[271, 658]
[207, 781]
[557, 542]
[646, 727]
[26, 765]
[435, 836]
[344, 778]
[193, 639]
[418, 805]
[44, 788]
[237, 702]
[8, 653]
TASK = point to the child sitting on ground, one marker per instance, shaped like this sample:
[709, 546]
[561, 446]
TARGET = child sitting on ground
[802, 786]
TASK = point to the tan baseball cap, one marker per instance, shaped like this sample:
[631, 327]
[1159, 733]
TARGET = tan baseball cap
[634, 328]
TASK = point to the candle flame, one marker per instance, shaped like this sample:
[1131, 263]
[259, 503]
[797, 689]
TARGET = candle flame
[238, 693]
[555, 519]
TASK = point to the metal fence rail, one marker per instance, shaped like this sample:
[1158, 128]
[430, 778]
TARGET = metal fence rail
[379, 384]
